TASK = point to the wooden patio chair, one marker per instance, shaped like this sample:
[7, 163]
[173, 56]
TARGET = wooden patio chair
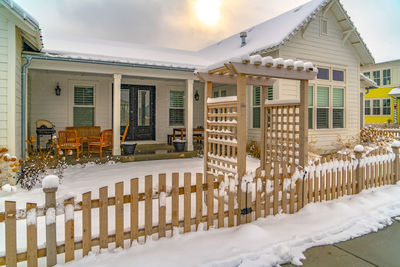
[69, 140]
[123, 136]
[106, 141]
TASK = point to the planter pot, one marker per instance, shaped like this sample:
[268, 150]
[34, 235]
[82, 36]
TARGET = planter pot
[179, 146]
[128, 149]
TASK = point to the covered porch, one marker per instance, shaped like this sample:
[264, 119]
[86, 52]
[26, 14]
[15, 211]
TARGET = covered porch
[155, 101]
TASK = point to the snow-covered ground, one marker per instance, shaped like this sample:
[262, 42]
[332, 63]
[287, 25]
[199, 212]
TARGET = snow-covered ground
[267, 241]
[79, 179]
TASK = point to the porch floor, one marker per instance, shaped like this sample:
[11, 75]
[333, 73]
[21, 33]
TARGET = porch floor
[143, 152]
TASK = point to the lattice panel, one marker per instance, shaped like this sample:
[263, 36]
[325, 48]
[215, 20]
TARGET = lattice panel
[222, 137]
[282, 131]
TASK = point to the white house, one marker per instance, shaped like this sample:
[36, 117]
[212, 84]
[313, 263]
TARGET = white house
[109, 83]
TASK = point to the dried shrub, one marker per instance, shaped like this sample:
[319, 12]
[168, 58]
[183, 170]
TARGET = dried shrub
[40, 163]
[253, 148]
[9, 167]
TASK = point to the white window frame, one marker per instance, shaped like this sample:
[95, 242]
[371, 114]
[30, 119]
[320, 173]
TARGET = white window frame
[321, 26]
[371, 103]
[84, 106]
[390, 77]
[182, 108]
[390, 107]
[330, 84]
[365, 106]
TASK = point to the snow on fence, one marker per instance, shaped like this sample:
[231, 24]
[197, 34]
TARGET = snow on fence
[120, 220]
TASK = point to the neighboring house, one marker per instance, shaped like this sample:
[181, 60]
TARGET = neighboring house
[110, 83]
[381, 103]
[18, 31]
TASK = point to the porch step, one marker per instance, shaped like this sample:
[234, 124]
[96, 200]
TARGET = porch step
[158, 156]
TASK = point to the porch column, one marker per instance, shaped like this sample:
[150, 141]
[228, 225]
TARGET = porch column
[189, 115]
[116, 115]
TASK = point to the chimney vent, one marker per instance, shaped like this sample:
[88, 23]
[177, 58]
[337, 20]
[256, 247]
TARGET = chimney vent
[243, 36]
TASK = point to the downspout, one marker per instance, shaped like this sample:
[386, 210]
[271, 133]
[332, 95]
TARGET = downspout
[24, 103]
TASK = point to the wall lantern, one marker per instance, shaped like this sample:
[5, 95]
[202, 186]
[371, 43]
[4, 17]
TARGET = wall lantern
[58, 90]
[196, 96]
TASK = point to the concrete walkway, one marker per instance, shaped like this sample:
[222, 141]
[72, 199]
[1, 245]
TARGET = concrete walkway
[376, 249]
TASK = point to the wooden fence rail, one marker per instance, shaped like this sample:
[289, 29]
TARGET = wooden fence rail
[277, 188]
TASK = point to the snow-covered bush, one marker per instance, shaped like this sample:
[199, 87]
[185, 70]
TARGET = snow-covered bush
[9, 166]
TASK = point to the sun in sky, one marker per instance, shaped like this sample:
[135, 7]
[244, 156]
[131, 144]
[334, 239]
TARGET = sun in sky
[208, 11]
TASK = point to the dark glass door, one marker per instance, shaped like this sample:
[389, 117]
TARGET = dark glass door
[138, 108]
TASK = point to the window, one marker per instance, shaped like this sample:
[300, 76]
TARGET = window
[338, 75]
[386, 107]
[367, 107]
[376, 107]
[323, 74]
[324, 26]
[223, 93]
[257, 104]
[83, 106]
[377, 77]
[215, 94]
[322, 107]
[219, 93]
[338, 108]
[310, 106]
[176, 108]
[386, 77]
[367, 74]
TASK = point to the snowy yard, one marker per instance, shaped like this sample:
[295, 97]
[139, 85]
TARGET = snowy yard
[80, 179]
[267, 241]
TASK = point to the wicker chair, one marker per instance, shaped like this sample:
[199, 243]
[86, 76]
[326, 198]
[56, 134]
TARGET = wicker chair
[68, 140]
[106, 141]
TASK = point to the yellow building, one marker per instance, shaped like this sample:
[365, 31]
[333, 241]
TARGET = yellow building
[381, 104]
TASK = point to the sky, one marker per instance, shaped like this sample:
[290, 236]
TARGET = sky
[190, 25]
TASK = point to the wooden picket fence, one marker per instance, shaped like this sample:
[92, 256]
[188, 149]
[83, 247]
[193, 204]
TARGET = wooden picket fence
[278, 188]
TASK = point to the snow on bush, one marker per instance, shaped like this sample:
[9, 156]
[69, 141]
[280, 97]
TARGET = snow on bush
[396, 144]
[359, 148]
[50, 182]
[9, 188]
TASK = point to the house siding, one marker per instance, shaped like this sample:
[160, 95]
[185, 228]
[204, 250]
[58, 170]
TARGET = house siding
[3, 79]
[326, 51]
[18, 99]
[44, 104]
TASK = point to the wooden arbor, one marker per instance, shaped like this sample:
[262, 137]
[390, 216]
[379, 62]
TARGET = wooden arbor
[225, 117]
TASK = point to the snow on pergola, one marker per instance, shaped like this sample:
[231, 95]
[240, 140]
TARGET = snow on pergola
[225, 119]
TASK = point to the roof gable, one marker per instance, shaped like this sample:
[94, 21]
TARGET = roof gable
[276, 32]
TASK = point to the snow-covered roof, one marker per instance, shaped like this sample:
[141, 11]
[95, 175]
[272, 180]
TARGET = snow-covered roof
[395, 92]
[20, 11]
[275, 32]
[111, 51]
[368, 82]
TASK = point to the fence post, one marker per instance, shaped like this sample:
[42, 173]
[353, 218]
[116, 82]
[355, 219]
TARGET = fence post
[396, 150]
[50, 186]
[358, 150]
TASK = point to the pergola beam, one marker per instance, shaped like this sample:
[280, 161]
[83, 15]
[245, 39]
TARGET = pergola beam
[230, 79]
[280, 73]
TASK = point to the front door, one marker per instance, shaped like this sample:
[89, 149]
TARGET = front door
[138, 108]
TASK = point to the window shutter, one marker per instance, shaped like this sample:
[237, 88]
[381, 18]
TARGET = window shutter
[256, 117]
[310, 96]
[338, 97]
[337, 119]
[322, 118]
[83, 116]
[322, 96]
[270, 93]
[176, 99]
[176, 117]
[83, 96]
[310, 118]
[256, 95]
